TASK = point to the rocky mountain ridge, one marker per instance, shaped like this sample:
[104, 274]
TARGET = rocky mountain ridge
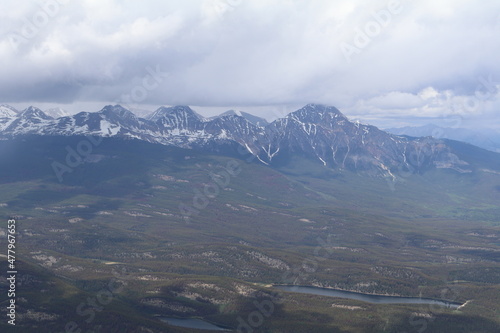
[318, 132]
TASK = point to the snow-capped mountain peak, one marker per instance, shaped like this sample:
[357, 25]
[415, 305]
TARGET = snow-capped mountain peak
[257, 121]
[118, 111]
[32, 112]
[317, 113]
[180, 110]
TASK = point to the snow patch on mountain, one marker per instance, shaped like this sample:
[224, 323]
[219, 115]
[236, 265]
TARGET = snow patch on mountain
[7, 111]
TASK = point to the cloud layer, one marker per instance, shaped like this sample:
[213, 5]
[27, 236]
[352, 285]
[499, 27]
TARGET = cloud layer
[390, 60]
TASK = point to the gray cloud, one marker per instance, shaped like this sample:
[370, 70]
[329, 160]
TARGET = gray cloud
[374, 61]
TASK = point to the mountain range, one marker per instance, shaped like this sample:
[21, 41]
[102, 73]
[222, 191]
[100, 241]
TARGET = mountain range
[317, 132]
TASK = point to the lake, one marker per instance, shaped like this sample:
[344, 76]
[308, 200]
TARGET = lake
[379, 299]
[369, 298]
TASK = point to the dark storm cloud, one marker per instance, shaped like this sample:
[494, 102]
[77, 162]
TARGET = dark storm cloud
[382, 59]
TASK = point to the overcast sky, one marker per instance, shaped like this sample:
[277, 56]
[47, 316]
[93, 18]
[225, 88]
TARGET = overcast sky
[388, 63]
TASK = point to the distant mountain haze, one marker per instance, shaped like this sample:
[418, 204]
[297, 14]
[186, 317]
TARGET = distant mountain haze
[484, 138]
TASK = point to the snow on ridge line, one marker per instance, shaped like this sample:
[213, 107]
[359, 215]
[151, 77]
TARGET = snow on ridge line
[107, 128]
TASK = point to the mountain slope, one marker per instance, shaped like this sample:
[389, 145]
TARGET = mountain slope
[325, 134]
[7, 115]
[7, 111]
